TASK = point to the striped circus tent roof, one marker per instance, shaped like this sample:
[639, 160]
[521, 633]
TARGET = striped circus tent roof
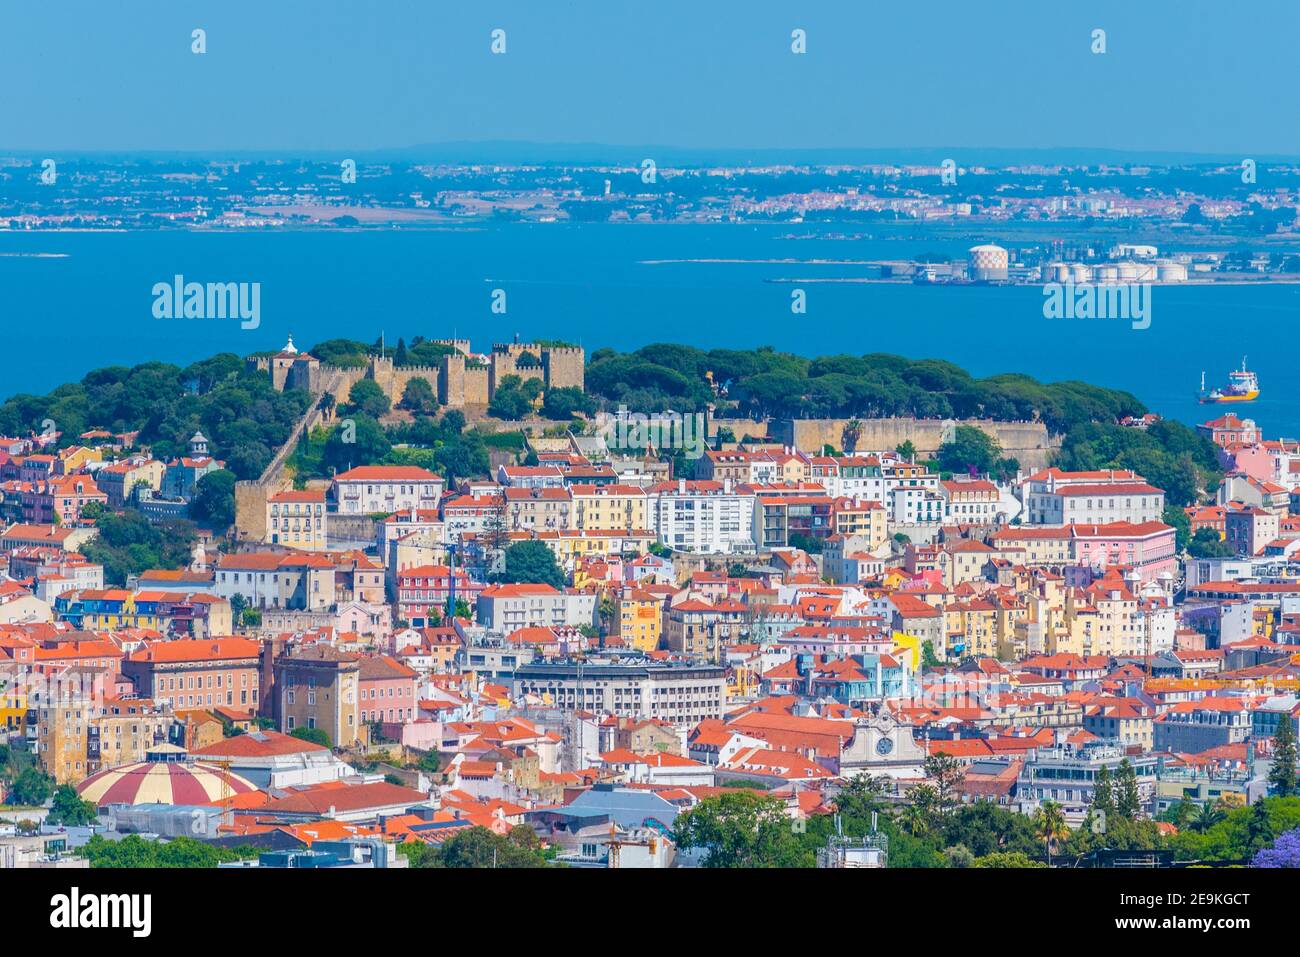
[163, 782]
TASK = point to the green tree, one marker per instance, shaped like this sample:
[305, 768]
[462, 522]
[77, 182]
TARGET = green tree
[928, 658]
[985, 827]
[513, 398]
[1206, 543]
[366, 397]
[430, 762]
[566, 402]
[1239, 832]
[31, 788]
[1281, 775]
[1259, 831]
[1205, 817]
[314, 735]
[1050, 826]
[70, 810]
[1006, 860]
[857, 799]
[1127, 801]
[919, 816]
[742, 829]
[214, 501]
[133, 851]
[946, 772]
[1177, 519]
[532, 561]
[906, 450]
[128, 543]
[418, 397]
[970, 450]
[1103, 793]
[478, 847]
[359, 441]
[807, 543]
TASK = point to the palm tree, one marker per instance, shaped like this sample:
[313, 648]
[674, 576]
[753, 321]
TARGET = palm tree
[1205, 817]
[608, 611]
[915, 820]
[918, 816]
[1050, 826]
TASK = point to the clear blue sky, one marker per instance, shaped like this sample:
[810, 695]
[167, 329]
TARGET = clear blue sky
[291, 75]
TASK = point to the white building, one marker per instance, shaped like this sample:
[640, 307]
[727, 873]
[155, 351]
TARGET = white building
[1054, 497]
[971, 502]
[681, 694]
[384, 489]
[702, 516]
[507, 608]
[915, 505]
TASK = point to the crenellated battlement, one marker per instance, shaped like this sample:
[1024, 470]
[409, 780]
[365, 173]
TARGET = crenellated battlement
[458, 379]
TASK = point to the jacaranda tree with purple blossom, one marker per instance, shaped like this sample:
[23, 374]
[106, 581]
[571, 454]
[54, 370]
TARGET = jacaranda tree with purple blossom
[1285, 852]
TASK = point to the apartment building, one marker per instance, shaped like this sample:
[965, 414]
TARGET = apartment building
[681, 695]
[296, 518]
[702, 516]
[384, 489]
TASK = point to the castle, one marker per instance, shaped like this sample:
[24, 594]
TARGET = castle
[460, 379]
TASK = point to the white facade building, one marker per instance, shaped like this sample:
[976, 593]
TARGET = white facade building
[384, 489]
[702, 516]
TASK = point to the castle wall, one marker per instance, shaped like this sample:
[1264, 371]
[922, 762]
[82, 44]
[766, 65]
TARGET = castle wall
[403, 375]
[1028, 442]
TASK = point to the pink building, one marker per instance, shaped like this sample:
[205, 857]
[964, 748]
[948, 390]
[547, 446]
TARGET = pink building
[62, 495]
[386, 691]
[422, 593]
[1149, 548]
[1229, 429]
[1253, 460]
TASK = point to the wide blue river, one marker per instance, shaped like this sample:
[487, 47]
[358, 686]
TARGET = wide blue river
[76, 300]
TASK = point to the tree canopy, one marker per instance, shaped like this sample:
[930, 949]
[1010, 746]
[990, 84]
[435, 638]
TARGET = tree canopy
[244, 418]
[763, 382]
[531, 561]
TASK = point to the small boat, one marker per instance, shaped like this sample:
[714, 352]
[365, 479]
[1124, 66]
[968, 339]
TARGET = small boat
[1243, 386]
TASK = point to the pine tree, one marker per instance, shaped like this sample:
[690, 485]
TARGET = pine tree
[1127, 802]
[1282, 773]
[1103, 792]
[1259, 830]
[400, 358]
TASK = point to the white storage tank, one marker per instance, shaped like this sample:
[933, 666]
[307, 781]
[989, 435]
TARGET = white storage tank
[1080, 272]
[1171, 272]
[1145, 272]
[1056, 272]
[1107, 272]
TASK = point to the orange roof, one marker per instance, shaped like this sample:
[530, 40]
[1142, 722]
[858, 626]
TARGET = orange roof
[386, 473]
[198, 650]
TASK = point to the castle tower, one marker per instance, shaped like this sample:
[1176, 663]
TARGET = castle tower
[564, 366]
[451, 381]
